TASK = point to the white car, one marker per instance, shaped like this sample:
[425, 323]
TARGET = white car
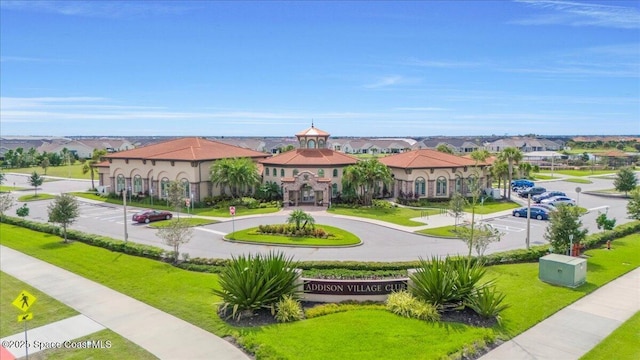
[559, 200]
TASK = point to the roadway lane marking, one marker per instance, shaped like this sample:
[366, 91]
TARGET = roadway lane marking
[211, 231]
[605, 207]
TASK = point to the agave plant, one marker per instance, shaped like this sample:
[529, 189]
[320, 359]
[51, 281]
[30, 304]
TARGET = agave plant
[468, 276]
[251, 282]
[487, 302]
[435, 282]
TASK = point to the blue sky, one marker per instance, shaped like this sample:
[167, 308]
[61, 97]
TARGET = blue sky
[416, 68]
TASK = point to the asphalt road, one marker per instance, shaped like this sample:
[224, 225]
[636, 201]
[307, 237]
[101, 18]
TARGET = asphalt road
[380, 243]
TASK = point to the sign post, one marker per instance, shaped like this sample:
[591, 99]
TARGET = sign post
[232, 211]
[24, 302]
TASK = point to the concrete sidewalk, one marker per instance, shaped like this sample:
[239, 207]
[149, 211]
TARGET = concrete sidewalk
[161, 334]
[575, 330]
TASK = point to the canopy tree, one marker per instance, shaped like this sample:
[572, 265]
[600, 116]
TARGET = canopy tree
[625, 180]
[63, 210]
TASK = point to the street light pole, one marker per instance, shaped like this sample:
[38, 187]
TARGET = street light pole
[528, 220]
[124, 202]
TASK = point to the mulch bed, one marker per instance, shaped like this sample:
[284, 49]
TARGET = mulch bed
[263, 317]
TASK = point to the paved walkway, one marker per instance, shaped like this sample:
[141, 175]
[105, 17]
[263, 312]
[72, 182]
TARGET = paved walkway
[161, 334]
[575, 330]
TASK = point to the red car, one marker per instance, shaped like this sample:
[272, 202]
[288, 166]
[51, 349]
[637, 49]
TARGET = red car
[148, 216]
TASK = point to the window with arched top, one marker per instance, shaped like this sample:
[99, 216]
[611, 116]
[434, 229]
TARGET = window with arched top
[295, 172]
[420, 186]
[441, 186]
[275, 172]
[321, 144]
[311, 144]
[334, 190]
[266, 171]
[281, 172]
[335, 172]
[120, 183]
[459, 184]
[137, 184]
[472, 183]
[320, 173]
[164, 187]
[303, 144]
[187, 188]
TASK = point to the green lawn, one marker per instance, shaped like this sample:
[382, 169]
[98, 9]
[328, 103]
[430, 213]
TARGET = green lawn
[162, 205]
[34, 197]
[578, 180]
[45, 310]
[621, 344]
[579, 173]
[65, 171]
[340, 238]
[191, 221]
[11, 188]
[399, 215]
[119, 348]
[442, 231]
[543, 177]
[491, 207]
[352, 334]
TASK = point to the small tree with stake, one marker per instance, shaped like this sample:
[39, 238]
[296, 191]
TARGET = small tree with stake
[563, 222]
[35, 180]
[177, 233]
[64, 210]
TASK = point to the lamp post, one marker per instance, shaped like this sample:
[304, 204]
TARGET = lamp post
[124, 202]
[570, 244]
[528, 220]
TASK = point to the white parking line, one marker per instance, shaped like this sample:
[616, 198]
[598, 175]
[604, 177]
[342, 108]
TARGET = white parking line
[211, 231]
[507, 228]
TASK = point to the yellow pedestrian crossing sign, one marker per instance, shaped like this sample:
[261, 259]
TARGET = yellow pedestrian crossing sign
[25, 316]
[24, 301]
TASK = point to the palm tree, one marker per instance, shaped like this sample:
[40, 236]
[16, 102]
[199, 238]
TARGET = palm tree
[512, 156]
[367, 176]
[297, 217]
[88, 166]
[236, 173]
[500, 170]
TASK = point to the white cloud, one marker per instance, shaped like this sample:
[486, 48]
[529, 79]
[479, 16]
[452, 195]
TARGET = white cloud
[99, 9]
[390, 81]
[581, 14]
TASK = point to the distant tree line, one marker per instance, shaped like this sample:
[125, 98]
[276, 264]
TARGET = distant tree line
[19, 158]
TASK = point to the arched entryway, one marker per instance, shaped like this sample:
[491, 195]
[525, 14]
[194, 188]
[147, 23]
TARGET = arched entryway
[306, 188]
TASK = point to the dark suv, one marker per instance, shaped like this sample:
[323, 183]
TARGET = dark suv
[536, 190]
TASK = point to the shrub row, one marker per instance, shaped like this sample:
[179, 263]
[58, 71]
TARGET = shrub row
[290, 230]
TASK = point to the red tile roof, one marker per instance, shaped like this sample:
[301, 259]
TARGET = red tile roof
[313, 131]
[310, 157]
[424, 159]
[187, 149]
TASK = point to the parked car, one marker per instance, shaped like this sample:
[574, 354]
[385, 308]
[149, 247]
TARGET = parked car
[147, 216]
[546, 195]
[536, 213]
[549, 208]
[522, 183]
[536, 190]
[559, 200]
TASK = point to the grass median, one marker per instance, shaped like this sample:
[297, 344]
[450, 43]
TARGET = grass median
[352, 334]
[338, 237]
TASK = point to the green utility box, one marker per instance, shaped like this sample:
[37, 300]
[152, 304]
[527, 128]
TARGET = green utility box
[563, 270]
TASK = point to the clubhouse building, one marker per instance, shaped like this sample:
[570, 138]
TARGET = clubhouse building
[309, 175]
